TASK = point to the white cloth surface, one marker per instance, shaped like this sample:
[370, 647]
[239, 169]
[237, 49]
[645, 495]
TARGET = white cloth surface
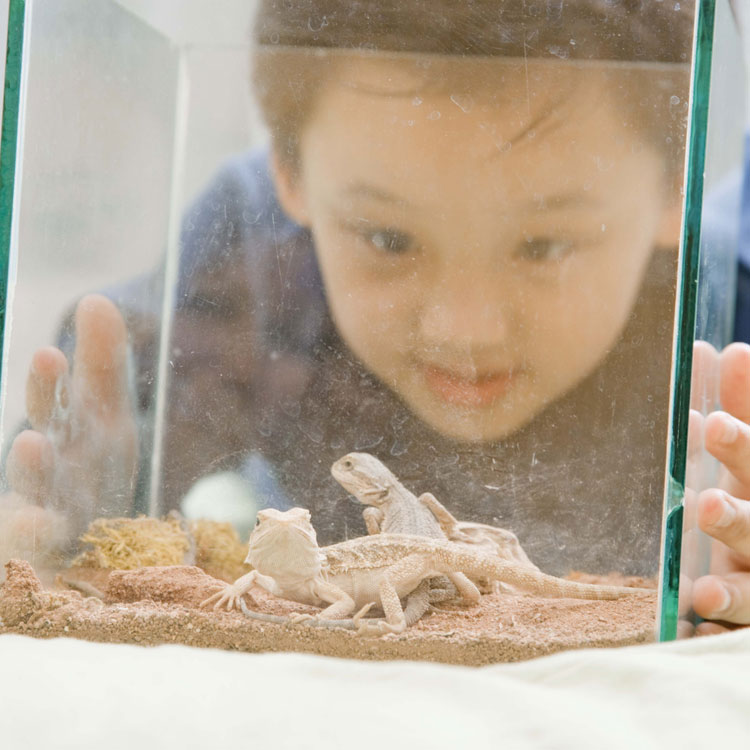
[63, 693]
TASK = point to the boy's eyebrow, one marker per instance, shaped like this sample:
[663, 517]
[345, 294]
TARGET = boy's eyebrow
[372, 192]
[553, 202]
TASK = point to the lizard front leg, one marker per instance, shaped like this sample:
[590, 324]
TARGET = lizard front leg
[373, 519]
[231, 593]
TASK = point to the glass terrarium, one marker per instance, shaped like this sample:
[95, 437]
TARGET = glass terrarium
[412, 285]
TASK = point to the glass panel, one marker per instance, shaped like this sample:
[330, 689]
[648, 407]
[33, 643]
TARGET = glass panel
[93, 192]
[11, 28]
[454, 251]
[720, 213]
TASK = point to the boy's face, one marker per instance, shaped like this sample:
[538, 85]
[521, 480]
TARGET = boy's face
[480, 256]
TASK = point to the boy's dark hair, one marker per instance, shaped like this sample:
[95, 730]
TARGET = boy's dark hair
[632, 30]
[637, 31]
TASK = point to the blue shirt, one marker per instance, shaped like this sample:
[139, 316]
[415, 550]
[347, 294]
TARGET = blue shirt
[740, 215]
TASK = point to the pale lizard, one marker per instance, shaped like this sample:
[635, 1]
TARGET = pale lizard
[392, 508]
[382, 570]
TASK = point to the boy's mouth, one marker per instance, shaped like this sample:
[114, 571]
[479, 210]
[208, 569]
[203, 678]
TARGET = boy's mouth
[475, 391]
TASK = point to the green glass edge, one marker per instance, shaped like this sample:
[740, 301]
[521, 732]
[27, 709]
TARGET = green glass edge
[696, 154]
[8, 144]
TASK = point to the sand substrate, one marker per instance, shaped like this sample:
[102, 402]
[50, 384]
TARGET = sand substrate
[153, 606]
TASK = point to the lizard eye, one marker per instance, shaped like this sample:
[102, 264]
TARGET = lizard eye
[348, 464]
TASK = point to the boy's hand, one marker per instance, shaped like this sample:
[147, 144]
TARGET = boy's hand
[79, 458]
[724, 512]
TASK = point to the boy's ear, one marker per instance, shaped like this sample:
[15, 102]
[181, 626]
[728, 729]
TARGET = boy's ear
[289, 190]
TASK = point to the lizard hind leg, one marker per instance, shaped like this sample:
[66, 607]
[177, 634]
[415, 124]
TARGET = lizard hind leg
[418, 602]
[441, 590]
[465, 587]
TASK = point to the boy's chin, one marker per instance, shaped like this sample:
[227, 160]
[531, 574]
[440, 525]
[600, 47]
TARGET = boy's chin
[474, 425]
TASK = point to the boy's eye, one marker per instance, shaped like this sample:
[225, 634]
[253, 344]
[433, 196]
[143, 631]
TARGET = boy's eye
[390, 240]
[541, 249]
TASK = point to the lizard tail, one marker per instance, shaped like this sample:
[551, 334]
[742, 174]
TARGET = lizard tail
[531, 580]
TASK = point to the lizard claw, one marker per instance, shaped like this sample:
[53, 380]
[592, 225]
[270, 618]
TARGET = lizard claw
[299, 617]
[216, 597]
[227, 595]
[369, 629]
[375, 628]
[362, 612]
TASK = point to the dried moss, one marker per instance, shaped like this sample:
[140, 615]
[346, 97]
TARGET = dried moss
[129, 543]
[218, 549]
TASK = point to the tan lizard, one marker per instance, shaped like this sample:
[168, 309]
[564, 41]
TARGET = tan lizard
[381, 570]
[391, 508]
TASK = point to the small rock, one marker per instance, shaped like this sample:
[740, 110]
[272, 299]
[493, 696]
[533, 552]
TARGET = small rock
[20, 595]
[171, 584]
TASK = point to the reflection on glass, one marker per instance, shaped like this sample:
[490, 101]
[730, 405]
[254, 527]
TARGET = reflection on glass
[453, 249]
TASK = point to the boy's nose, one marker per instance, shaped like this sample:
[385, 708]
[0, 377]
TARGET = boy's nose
[467, 310]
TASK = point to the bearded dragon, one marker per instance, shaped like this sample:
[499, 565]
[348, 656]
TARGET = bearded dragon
[391, 508]
[375, 570]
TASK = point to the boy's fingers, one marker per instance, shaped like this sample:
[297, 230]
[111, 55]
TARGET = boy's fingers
[726, 519]
[725, 598]
[711, 628]
[29, 466]
[100, 360]
[685, 596]
[704, 380]
[735, 381]
[728, 439]
[45, 384]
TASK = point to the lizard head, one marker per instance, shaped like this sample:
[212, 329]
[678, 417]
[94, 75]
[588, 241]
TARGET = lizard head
[284, 545]
[366, 477]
